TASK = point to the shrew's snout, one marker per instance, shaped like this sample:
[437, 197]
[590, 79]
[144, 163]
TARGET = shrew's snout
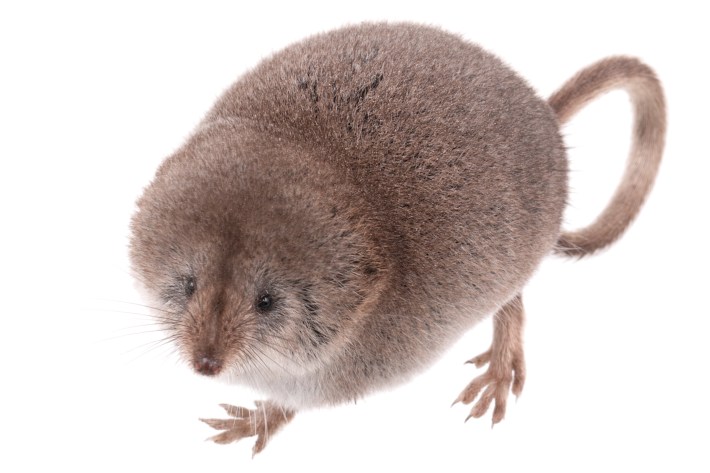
[207, 355]
[207, 365]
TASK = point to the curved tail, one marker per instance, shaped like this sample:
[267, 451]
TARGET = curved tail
[649, 131]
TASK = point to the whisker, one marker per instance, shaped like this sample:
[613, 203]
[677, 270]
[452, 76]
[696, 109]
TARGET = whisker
[169, 337]
[277, 348]
[139, 314]
[117, 301]
[259, 352]
[151, 346]
[130, 334]
[258, 366]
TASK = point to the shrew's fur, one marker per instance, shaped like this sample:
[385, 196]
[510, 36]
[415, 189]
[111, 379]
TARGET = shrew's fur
[357, 201]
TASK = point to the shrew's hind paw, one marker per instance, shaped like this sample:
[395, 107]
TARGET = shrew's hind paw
[495, 384]
[506, 365]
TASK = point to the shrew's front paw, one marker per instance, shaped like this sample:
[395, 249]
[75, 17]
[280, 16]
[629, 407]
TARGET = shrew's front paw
[264, 422]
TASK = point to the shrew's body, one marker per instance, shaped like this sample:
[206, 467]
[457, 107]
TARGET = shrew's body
[360, 199]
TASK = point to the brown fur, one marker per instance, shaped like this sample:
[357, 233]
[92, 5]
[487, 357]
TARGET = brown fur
[646, 148]
[384, 187]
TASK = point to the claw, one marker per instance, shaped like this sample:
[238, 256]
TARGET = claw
[496, 391]
[506, 365]
[261, 422]
[480, 360]
[220, 424]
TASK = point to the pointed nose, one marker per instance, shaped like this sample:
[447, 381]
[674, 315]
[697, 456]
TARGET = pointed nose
[207, 365]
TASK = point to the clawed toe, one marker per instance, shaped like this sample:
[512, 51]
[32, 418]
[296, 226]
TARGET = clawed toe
[481, 359]
[495, 390]
[506, 366]
[261, 422]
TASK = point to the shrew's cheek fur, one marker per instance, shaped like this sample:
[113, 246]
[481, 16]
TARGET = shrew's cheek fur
[353, 204]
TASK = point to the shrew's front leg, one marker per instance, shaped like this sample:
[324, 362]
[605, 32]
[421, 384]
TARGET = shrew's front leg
[506, 364]
[264, 422]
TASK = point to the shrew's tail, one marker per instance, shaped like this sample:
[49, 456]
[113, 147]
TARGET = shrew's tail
[649, 130]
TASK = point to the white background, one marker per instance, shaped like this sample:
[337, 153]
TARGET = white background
[93, 97]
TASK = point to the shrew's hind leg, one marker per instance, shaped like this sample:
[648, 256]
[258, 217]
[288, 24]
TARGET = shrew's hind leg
[506, 364]
[264, 422]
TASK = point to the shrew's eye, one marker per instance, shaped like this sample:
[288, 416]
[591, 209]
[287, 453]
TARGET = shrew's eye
[264, 303]
[190, 286]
